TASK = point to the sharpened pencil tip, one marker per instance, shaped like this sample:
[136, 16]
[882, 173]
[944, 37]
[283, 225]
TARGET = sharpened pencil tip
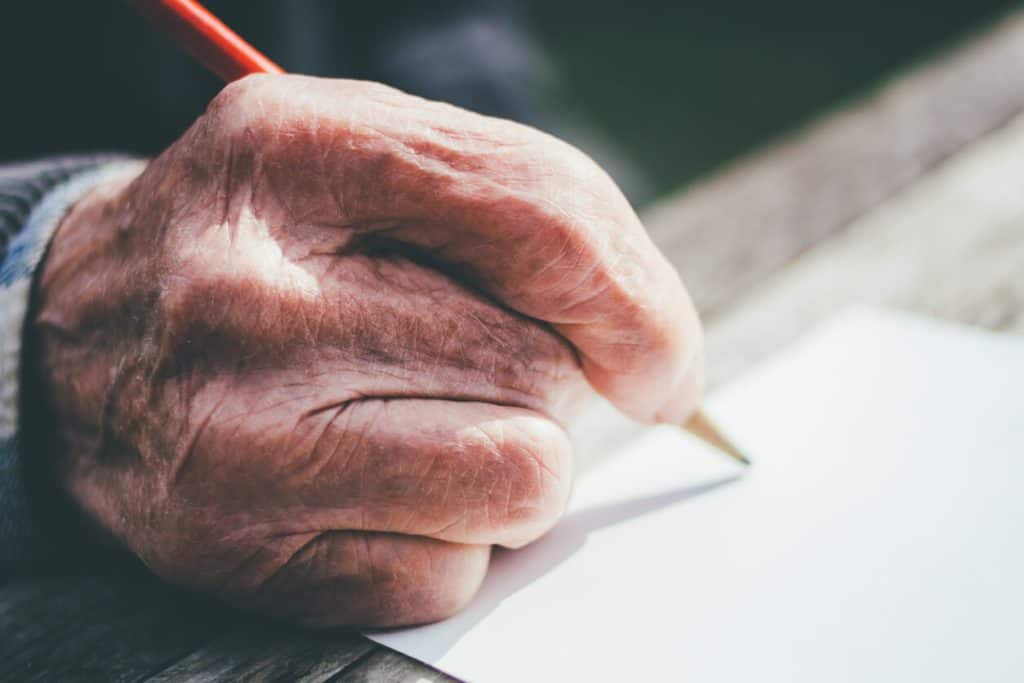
[701, 426]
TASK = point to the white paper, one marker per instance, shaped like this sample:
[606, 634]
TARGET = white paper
[879, 535]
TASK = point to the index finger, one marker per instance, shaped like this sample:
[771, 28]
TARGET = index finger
[523, 217]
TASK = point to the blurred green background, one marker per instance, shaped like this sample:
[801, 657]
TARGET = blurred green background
[682, 87]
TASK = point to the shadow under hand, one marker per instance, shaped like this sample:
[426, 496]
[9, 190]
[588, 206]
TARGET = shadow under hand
[513, 570]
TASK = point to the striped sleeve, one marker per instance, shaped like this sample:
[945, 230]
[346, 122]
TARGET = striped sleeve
[34, 198]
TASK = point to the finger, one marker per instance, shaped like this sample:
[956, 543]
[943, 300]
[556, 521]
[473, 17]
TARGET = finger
[347, 578]
[457, 471]
[367, 327]
[520, 215]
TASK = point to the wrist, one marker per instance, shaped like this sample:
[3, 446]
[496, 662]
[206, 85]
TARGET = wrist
[88, 230]
[51, 188]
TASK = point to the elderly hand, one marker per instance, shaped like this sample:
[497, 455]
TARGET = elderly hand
[318, 356]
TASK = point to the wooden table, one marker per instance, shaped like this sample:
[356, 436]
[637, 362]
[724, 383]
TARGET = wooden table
[912, 197]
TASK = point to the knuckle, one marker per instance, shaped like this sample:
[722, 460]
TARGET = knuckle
[365, 579]
[197, 299]
[530, 486]
[253, 106]
[238, 97]
[393, 582]
[207, 306]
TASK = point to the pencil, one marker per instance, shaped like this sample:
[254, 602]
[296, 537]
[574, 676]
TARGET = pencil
[225, 53]
[206, 38]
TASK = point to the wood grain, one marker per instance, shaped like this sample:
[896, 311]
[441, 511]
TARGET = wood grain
[267, 654]
[97, 628]
[951, 246]
[730, 232]
[387, 666]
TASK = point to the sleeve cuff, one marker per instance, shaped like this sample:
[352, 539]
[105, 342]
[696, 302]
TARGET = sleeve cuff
[20, 542]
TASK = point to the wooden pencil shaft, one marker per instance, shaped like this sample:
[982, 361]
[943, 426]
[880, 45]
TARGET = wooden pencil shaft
[701, 426]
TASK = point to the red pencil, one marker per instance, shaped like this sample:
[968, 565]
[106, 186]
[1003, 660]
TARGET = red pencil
[206, 38]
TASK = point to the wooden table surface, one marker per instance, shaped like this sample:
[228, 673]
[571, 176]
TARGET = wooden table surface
[911, 197]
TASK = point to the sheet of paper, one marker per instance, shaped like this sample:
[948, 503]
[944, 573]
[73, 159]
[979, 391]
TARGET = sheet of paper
[878, 537]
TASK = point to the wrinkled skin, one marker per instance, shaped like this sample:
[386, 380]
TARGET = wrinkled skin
[318, 357]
